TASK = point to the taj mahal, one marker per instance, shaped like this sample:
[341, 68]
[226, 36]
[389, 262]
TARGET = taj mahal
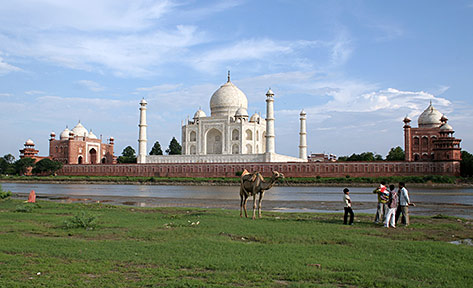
[228, 135]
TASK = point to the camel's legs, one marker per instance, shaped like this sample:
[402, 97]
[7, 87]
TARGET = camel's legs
[241, 205]
[254, 206]
[259, 203]
[244, 206]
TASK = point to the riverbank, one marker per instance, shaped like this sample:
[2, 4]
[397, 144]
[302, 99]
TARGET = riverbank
[428, 181]
[94, 245]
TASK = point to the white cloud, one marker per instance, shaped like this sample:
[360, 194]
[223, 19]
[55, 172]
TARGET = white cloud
[341, 48]
[6, 68]
[34, 92]
[85, 15]
[91, 85]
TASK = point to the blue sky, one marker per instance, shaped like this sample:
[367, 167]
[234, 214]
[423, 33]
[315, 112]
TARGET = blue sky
[356, 67]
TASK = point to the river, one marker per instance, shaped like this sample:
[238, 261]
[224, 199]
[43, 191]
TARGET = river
[429, 201]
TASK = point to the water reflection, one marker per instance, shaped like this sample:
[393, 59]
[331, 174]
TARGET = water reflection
[358, 194]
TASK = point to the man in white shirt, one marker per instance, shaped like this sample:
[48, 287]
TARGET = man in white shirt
[404, 203]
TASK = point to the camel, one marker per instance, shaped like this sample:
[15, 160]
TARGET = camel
[253, 184]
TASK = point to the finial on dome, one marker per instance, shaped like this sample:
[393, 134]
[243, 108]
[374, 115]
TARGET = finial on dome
[228, 77]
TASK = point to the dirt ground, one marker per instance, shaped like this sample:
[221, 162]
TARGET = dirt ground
[427, 209]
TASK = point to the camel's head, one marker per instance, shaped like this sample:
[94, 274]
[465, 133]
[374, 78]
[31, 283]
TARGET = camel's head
[278, 175]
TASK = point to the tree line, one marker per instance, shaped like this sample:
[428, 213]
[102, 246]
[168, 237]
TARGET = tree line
[129, 154]
[395, 154]
[8, 166]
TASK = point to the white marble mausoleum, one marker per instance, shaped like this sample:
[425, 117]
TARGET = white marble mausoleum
[227, 135]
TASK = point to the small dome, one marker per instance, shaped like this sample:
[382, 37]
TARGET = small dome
[29, 142]
[199, 114]
[241, 112]
[92, 135]
[80, 130]
[64, 134]
[446, 127]
[143, 102]
[430, 118]
[227, 99]
[303, 113]
[255, 117]
[270, 93]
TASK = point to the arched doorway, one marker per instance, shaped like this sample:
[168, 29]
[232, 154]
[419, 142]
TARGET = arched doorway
[93, 156]
[80, 160]
[214, 141]
[235, 149]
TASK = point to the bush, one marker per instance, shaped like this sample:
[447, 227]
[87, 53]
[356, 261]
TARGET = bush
[81, 220]
[4, 194]
[26, 207]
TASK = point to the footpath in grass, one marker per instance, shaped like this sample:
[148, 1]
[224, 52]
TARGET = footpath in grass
[96, 245]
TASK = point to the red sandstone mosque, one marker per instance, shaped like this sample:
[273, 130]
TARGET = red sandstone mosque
[76, 146]
[433, 140]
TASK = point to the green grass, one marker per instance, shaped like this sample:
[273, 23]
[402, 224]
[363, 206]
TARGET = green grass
[139, 247]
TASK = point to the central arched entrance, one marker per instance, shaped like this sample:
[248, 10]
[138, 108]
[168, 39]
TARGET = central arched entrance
[214, 141]
[93, 156]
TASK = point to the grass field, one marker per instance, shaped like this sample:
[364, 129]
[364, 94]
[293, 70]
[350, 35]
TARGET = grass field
[144, 247]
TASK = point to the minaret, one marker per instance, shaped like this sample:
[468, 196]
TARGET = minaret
[142, 140]
[303, 137]
[269, 124]
[408, 139]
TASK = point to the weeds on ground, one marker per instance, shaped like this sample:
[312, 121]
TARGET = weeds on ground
[81, 220]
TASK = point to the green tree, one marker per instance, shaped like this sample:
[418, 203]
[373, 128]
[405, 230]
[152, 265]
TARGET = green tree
[47, 166]
[174, 147]
[396, 154]
[3, 166]
[22, 165]
[365, 156]
[9, 158]
[466, 165]
[128, 155]
[156, 150]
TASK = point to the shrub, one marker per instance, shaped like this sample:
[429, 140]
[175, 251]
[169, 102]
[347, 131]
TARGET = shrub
[81, 220]
[26, 207]
[4, 194]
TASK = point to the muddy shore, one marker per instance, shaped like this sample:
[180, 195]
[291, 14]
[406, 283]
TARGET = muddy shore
[424, 209]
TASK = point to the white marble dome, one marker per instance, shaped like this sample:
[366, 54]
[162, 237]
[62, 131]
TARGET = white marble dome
[255, 117]
[80, 130]
[29, 142]
[92, 135]
[446, 127]
[64, 134]
[430, 118]
[199, 114]
[241, 112]
[227, 99]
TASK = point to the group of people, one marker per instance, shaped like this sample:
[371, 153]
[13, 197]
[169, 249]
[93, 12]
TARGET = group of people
[392, 204]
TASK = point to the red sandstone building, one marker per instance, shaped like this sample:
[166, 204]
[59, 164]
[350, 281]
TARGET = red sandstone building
[30, 152]
[433, 140]
[79, 146]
